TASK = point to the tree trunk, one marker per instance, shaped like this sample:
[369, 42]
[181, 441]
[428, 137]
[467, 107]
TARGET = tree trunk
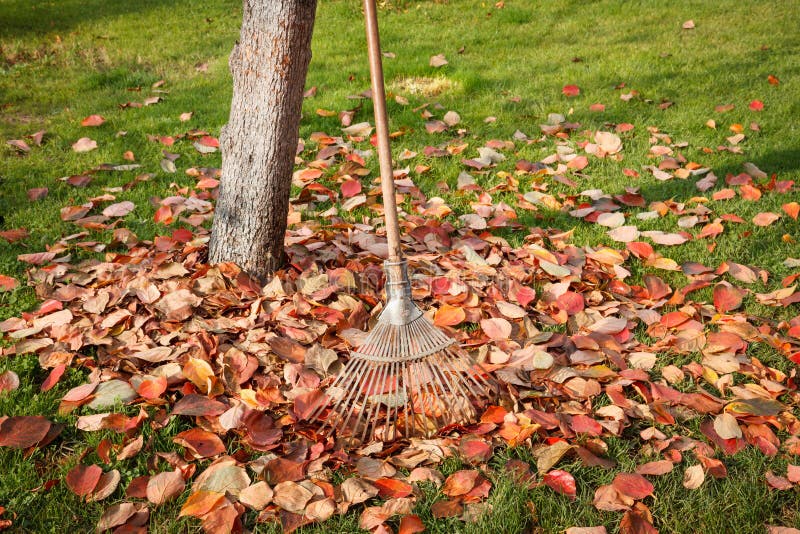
[269, 65]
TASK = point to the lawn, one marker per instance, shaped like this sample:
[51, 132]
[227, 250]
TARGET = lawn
[721, 93]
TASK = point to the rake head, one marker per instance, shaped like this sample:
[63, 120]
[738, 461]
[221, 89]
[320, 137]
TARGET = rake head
[406, 379]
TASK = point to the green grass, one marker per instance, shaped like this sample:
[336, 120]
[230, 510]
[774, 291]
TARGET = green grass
[64, 60]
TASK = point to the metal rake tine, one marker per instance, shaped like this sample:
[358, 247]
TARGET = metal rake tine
[352, 380]
[353, 393]
[354, 407]
[436, 401]
[471, 375]
[371, 412]
[444, 387]
[453, 386]
[409, 401]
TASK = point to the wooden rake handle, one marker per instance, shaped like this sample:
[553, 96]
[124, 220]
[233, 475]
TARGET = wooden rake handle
[382, 130]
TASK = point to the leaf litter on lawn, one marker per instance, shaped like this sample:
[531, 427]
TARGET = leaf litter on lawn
[553, 322]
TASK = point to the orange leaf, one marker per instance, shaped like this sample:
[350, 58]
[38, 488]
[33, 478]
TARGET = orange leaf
[448, 315]
[460, 482]
[93, 120]
[792, 209]
[571, 90]
[152, 388]
[200, 503]
[411, 524]
[7, 283]
[392, 488]
[163, 215]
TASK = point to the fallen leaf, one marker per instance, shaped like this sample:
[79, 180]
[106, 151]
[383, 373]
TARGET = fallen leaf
[633, 485]
[21, 432]
[561, 482]
[9, 380]
[693, 477]
[292, 497]
[165, 486]
[438, 61]
[84, 144]
[93, 120]
[82, 479]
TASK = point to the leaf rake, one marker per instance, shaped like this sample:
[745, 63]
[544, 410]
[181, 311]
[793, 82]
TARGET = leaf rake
[407, 378]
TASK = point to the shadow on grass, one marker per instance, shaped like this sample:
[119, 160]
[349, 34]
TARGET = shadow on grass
[25, 20]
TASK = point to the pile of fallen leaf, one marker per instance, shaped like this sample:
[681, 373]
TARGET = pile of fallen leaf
[160, 330]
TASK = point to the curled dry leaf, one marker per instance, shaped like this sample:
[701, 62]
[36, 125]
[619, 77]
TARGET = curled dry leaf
[693, 477]
[357, 490]
[9, 381]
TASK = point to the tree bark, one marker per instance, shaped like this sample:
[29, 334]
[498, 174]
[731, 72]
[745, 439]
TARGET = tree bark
[269, 65]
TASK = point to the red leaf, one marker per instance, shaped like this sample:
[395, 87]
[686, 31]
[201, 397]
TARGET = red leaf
[778, 482]
[727, 297]
[202, 443]
[633, 485]
[756, 105]
[198, 405]
[350, 188]
[561, 482]
[209, 141]
[163, 215]
[571, 90]
[570, 302]
[578, 163]
[7, 283]
[15, 234]
[21, 432]
[640, 249]
[93, 120]
[54, 376]
[475, 450]
[82, 479]
[583, 424]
